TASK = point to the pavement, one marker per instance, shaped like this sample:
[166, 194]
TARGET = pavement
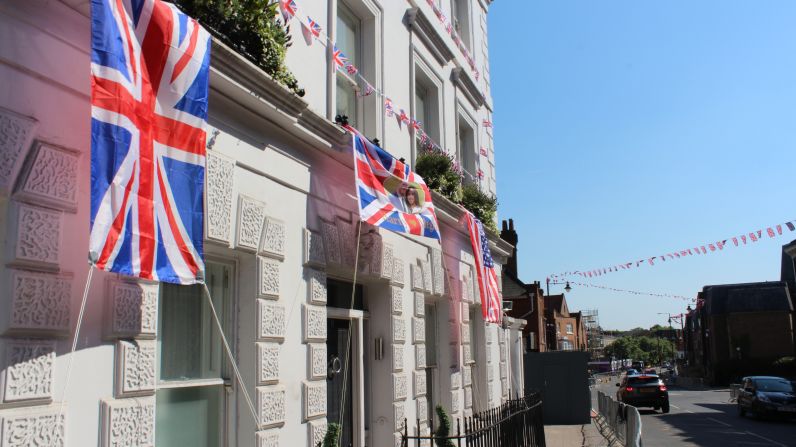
[574, 435]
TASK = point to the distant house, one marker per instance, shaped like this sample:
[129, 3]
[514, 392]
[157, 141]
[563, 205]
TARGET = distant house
[564, 329]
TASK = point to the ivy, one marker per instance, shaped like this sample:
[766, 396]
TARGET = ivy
[252, 28]
[332, 437]
[444, 429]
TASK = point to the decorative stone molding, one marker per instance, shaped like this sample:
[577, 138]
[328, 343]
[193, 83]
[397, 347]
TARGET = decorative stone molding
[314, 253]
[420, 304]
[268, 438]
[135, 367]
[417, 21]
[27, 374]
[272, 242]
[388, 261]
[428, 282]
[16, 134]
[51, 178]
[267, 363]
[419, 378]
[398, 357]
[251, 217]
[467, 375]
[456, 379]
[438, 271]
[489, 334]
[331, 242]
[398, 329]
[370, 252]
[399, 390]
[271, 405]
[465, 334]
[468, 354]
[399, 414]
[461, 78]
[416, 272]
[36, 236]
[418, 330]
[490, 373]
[455, 408]
[465, 312]
[314, 399]
[316, 287]
[420, 356]
[271, 320]
[128, 422]
[39, 303]
[314, 323]
[504, 371]
[347, 233]
[502, 350]
[397, 296]
[317, 360]
[398, 272]
[316, 430]
[133, 309]
[268, 278]
[468, 397]
[38, 426]
[422, 410]
[218, 197]
[504, 388]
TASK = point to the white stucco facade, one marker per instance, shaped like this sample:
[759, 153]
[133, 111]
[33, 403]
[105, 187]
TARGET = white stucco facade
[281, 219]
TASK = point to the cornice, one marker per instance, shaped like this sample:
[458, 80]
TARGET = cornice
[461, 78]
[417, 21]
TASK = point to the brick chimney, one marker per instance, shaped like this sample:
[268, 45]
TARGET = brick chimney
[508, 234]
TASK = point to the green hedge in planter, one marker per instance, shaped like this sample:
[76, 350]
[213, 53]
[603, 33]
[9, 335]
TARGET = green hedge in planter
[482, 205]
[437, 169]
[250, 27]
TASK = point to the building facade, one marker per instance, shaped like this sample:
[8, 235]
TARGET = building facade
[329, 321]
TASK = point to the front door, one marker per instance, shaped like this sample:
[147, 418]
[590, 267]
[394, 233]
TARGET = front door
[339, 385]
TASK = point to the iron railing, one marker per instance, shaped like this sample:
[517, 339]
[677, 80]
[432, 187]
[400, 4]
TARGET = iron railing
[623, 420]
[516, 423]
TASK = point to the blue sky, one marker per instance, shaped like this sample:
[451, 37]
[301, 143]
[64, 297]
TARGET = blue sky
[629, 129]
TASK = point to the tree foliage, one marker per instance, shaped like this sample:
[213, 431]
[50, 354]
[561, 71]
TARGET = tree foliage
[647, 349]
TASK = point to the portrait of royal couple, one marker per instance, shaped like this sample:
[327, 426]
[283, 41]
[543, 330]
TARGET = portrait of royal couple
[406, 199]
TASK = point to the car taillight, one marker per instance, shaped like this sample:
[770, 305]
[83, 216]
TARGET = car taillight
[662, 387]
[630, 388]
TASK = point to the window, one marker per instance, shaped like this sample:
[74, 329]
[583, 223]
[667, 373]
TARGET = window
[427, 109]
[431, 359]
[566, 345]
[532, 340]
[569, 328]
[349, 34]
[190, 399]
[461, 20]
[467, 155]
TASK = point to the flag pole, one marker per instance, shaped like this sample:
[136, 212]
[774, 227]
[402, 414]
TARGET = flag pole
[348, 343]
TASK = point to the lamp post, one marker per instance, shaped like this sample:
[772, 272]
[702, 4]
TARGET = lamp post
[567, 288]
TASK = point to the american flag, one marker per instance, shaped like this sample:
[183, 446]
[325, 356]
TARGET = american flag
[288, 8]
[149, 89]
[491, 300]
[379, 177]
[339, 58]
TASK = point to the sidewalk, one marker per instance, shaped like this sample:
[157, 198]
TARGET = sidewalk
[574, 435]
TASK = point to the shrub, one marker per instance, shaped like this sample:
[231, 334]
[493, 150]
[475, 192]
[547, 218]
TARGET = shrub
[444, 429]
[437, 169]
[252, 28]
[332, 437]
[482, 205]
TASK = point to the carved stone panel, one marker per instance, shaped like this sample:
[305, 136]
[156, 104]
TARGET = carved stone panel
[268, 438]
[398, 357]
[128, 422]
[347, 233]
[272, 242]
[314, 252]
[317, 360]
[51, 179]
[32, 427]
[370, 252]
[465, 312]
[438, 271]
[271, 405]
[271, 320]
[135, 367]
[420, 382]
[27, 373]
[37, 237]
[455, 408]
[314, 323]
[314, 399]
[490, 373]
[504, 387]
[267, 363]
[387, 261]
[399, 386]
[316, 430]
[418, 330]
[467, 375]
[504, 371]
[428, 283]
[489, 334]
[331, 242]
[468, 354]
[456, 379]
[398, 271]
[468, 397]
[251, 217]
[16, 133]
[422, 410]
[133, 309]
[268, 278]
[465, 334]
[420, 304]
[39, 303]
[316, 287]
[397, 299]
[502, 350]
[420, 356]
[417, 277]
[398, 329]
[399, 413]
[218, 197]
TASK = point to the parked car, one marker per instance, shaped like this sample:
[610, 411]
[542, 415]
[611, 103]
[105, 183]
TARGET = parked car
[631, 372]
[767, 396]
[646, 390]
[638, 365]
[650, 371]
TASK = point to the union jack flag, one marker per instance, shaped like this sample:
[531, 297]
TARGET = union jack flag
[288, 8]
[384, 186]
[491, 300]
[339, 58]
[149, 89]
[388, 108]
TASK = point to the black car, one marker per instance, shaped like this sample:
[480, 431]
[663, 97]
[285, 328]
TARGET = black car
[646, 390]
[767, 396]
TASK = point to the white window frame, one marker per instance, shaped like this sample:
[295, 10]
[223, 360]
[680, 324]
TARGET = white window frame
[432, 80]
[469, 121]
[465, 26]
[570, 328]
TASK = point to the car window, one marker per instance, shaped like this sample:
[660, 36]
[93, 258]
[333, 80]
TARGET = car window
[643, 380]
[774, 385]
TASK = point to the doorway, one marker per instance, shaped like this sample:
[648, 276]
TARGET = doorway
[339, 384]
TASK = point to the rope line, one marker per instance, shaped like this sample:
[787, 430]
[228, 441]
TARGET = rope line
[348, 344]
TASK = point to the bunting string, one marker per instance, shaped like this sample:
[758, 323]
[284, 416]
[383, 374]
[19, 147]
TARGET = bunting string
[718, 246]
[312, 31]
[632, 292]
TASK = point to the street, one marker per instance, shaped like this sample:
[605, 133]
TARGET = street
[706, 418]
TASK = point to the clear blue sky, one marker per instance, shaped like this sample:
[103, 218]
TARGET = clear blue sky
[629, 129]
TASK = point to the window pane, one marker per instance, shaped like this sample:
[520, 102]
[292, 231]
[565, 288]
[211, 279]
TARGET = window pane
[346, 100]
[189, 417]
[348, 34]
[420, 105]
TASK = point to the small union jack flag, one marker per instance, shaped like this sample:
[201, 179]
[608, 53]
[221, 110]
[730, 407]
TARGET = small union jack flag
[314, 28]
[311, 30]
[340, 60]
[449, 27]
[403, 117]
[288, 8]
[388, 108]
[488, 124]
[367, 90]
[415, 124]
[352, 70]
[484, 152]
[480, 174]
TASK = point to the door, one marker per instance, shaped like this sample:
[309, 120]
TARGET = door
[339, 386]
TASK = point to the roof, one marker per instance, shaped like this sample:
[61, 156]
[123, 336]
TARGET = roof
[749, 297]
[556, 303]
[513, 287]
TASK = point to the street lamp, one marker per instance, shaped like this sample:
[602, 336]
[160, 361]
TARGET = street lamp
[567, 287]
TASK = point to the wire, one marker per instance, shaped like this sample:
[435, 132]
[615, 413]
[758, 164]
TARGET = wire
[348, 343]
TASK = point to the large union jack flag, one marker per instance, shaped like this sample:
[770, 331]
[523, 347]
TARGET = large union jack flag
[149, 88]
[491, 301]
[390, 195]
